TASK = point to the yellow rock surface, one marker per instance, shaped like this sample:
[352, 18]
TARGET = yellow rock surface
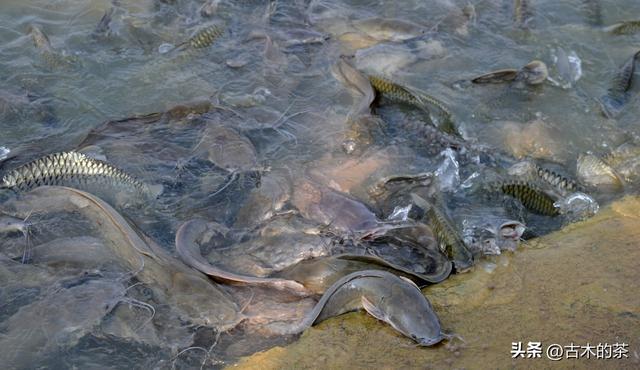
[579, 285]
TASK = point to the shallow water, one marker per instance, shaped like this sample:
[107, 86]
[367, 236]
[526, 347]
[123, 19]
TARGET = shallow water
[270, 79]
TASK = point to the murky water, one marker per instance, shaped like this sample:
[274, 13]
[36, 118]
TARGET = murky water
[261, 135]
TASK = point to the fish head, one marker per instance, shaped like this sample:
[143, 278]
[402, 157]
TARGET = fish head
[594, 172]
[511, 230]
[407, 310]
[40, 39]
[535, 72]
[463, 263]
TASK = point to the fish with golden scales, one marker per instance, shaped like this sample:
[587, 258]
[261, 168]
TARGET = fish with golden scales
[617, 95]
[410, 96]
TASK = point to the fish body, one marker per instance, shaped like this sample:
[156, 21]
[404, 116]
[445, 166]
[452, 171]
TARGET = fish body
[617, 95]
[432, 139]
[385, 296]
[449, 239]
[40, 39]
[447, 124]
[331, 208]
[228, 149]
[388, 29]
[318, 274]
[195, 298]
[103, 28]
[189, 252]
[625, 28]
[592, 170]
[593, 12]
[205, 37]
[393, 91]
[560, 183]
[523, 13]
[398, 93]
[496, 77]
[57, 321]
[533, 199]
[10, 223]
[533, 73]
[50, 56]
[625, 161]
[65, 167]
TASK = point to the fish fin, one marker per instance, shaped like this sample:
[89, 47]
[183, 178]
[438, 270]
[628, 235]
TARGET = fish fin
[234, 176]
[94, 152]
[372, 309]
[409, 281]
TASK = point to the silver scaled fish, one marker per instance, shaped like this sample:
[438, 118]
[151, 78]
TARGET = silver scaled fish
[624, 28]
[65, 168]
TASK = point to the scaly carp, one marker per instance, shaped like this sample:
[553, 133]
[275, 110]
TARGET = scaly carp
[449, 239]
[533, 199]
[66, 167]
[617, 95]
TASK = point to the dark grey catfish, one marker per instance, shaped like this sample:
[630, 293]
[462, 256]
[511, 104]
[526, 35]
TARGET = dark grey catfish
[385, 296]
[318, 274]
[189, 251]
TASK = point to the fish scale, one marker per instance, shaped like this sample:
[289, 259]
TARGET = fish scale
[617, 95]
[561, 183]
[58, 168]
[395, 92]
[532, 199]
[448, 237]
[205, 37]
[625, 28]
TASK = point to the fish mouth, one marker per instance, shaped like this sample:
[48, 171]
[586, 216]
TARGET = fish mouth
[428, 342]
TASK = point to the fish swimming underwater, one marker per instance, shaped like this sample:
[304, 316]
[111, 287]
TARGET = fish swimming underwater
[402, 94]
[449, 239]
[66, 168]
[533, 199]
[618, 94]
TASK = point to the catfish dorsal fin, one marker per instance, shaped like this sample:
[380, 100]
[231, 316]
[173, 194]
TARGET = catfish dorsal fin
[372, 309]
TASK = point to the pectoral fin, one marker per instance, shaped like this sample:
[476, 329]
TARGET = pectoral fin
[372, 309]
[409, 281]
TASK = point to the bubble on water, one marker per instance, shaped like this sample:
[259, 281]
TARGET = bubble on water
[4, 152]
[165, 48]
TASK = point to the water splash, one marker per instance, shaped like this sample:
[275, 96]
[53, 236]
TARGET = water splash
[448, 173]
[577, 206]
[4, 152]
[400, 213]
[568, 68]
